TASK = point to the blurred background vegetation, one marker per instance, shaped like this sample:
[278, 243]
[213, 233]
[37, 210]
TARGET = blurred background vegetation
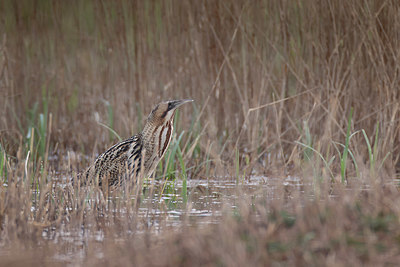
[265, 76]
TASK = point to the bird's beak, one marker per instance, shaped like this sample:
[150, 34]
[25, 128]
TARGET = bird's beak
[176, 103]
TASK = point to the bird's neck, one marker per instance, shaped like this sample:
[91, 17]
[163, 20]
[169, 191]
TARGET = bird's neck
[158, 134]
[155, 141]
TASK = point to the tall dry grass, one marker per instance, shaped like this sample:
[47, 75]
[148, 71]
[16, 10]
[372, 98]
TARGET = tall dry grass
[274, 83]
[314, 60]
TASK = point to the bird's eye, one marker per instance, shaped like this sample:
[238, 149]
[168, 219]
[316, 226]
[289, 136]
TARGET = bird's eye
[169, 106]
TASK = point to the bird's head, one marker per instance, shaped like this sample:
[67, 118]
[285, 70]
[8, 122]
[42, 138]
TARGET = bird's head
[165, 111]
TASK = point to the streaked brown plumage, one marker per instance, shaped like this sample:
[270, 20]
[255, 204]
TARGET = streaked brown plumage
[137, 155]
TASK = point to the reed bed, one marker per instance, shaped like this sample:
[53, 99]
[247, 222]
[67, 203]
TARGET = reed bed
[282, 88]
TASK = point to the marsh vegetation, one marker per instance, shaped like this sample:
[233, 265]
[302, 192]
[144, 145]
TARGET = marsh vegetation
[288, 155]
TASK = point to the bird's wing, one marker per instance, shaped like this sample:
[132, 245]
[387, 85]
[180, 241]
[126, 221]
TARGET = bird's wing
[112, 167]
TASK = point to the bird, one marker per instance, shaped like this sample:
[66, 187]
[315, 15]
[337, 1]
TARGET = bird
[138, 156]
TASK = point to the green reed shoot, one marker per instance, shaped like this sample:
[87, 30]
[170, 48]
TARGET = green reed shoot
[169, 157]
[372, 152]
[3, 160]
[36, 143]
[309, 150]
[326, 163]
[42, 129]
[237, 165]
[350, 153]
[110, 118]
[110, 126]
[171, 164]
[184, 176]
[343, 158]
[308, 142]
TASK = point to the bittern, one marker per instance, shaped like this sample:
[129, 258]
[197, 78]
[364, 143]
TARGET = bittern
[138, 155]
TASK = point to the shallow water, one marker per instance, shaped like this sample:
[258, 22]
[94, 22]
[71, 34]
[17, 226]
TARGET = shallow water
[157, 213]
[207, 197]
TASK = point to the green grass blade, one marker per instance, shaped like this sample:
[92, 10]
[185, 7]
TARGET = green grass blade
[352, 157]
[343, 160]
[170, 165]
[237, 165]
[375, 149]
[319, 154]
[184, 176]
[371, 156]
[111, 130]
